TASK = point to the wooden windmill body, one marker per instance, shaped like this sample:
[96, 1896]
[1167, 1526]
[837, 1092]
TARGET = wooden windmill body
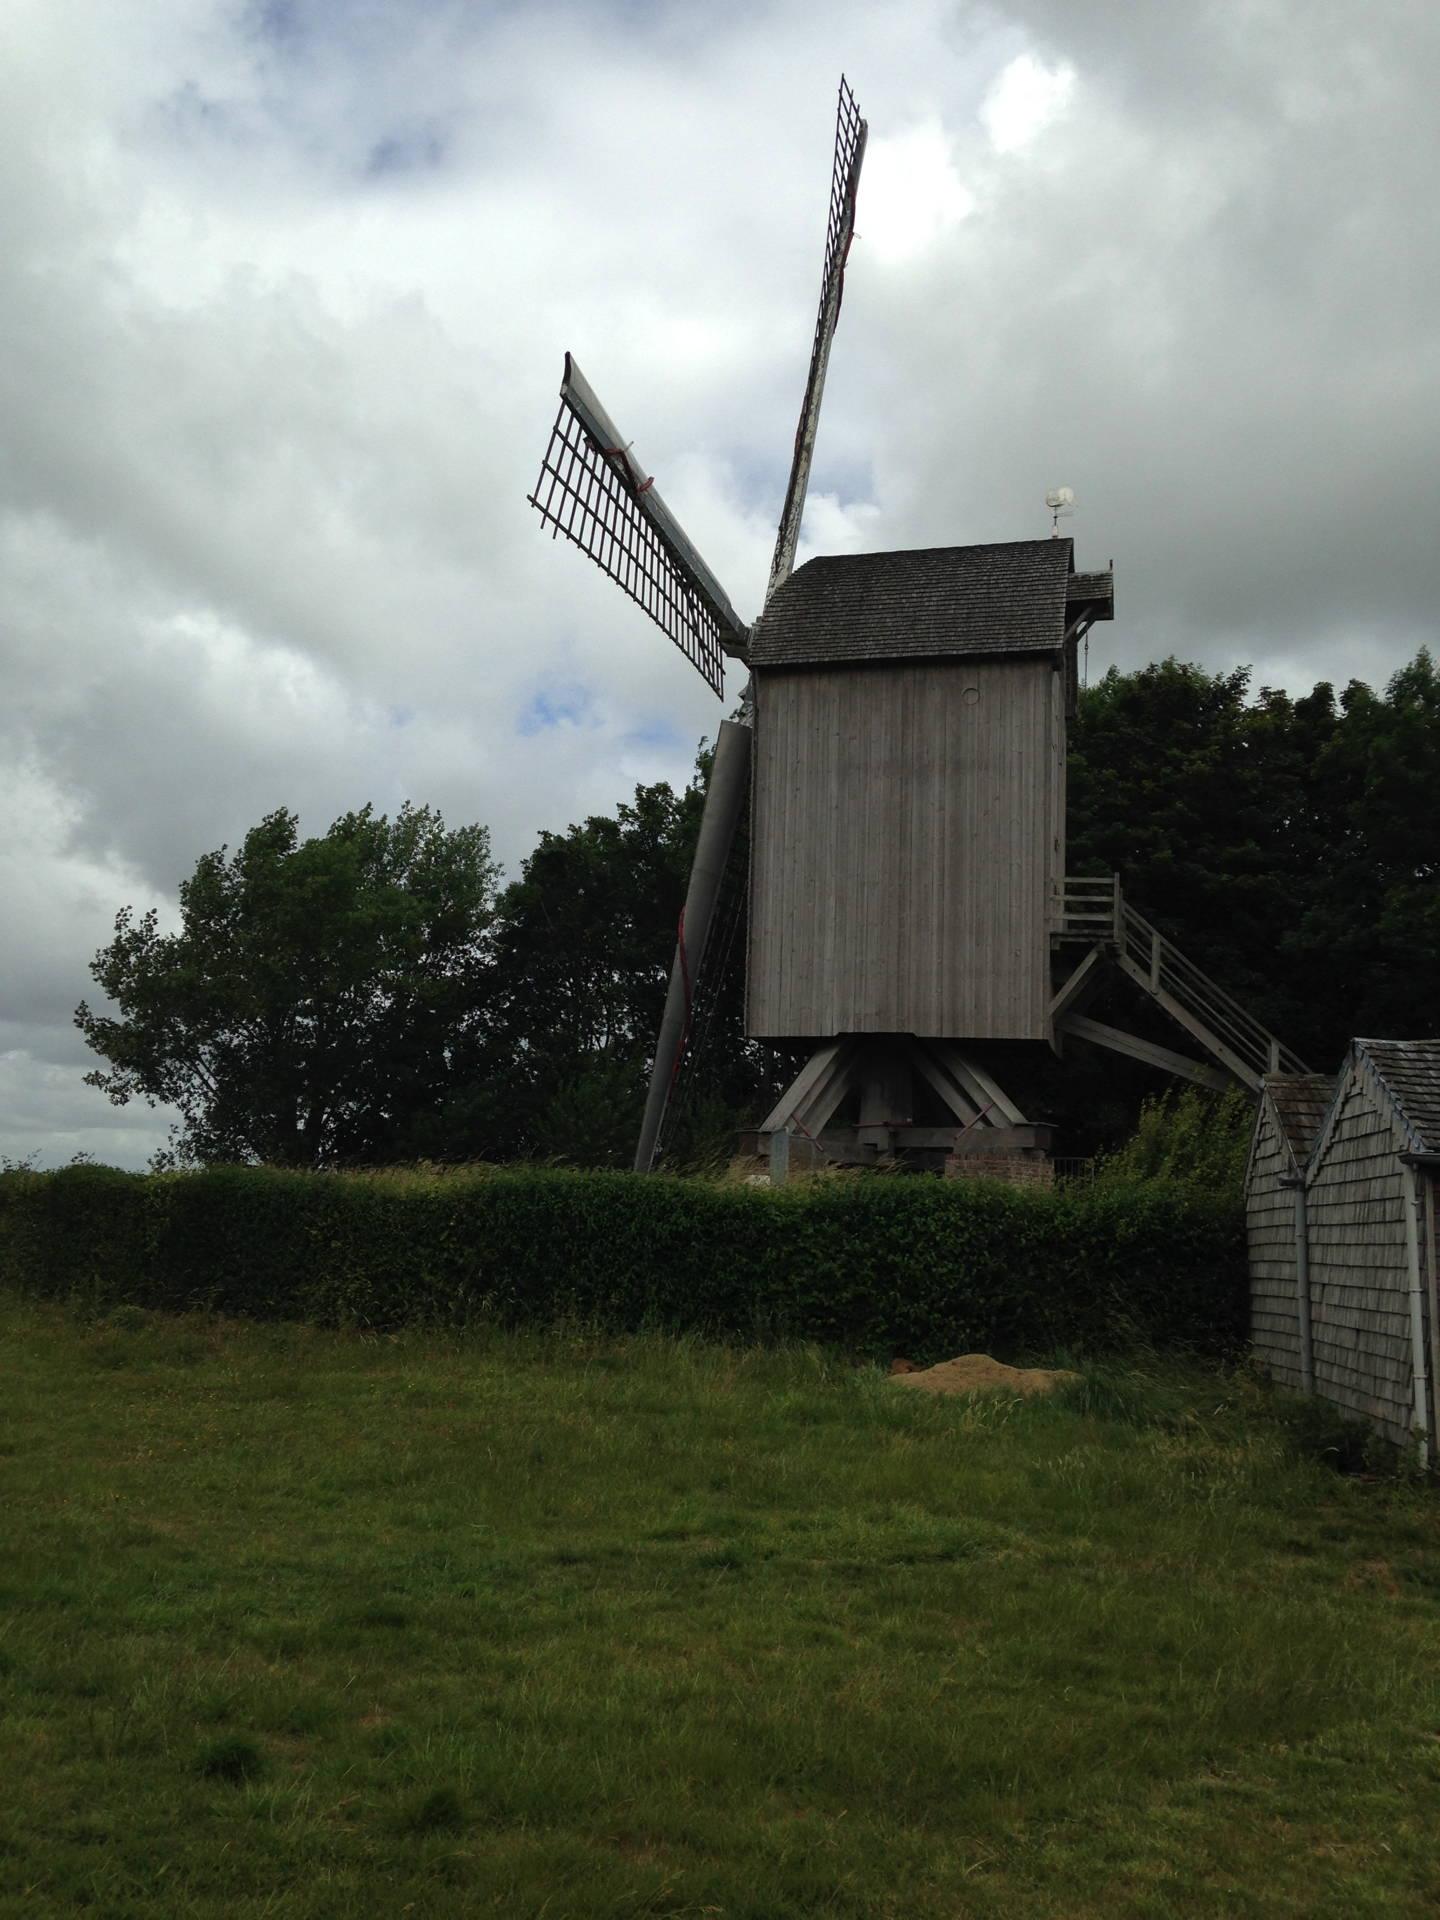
[902, 754]
[908, 830]
[908, 833]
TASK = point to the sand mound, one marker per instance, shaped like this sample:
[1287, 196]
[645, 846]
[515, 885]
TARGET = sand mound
[978, 1373]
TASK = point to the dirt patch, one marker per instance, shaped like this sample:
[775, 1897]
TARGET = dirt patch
[978, 1373]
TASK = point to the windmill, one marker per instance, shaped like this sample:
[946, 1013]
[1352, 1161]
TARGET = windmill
[902, 750]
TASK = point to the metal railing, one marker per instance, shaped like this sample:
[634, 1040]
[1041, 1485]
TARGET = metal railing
[1096, 911]
[1078, 1168]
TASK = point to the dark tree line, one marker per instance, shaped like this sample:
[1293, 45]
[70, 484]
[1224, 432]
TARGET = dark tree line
[1290, 847]
[374, 995]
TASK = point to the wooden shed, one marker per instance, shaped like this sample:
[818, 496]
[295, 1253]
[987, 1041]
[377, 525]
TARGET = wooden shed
[1292, 1111]
[1341, 1216]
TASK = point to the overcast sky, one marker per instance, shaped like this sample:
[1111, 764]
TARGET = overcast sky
[285, 287]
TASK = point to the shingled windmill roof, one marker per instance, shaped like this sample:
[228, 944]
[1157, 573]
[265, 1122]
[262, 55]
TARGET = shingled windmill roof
[1012, 597]
[1409, 1070]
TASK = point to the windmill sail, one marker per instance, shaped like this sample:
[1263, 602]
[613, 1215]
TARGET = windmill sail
[844, 180]
[593, 491]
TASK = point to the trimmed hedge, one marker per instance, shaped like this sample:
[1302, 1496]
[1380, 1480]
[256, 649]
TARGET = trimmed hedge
[872, 1264]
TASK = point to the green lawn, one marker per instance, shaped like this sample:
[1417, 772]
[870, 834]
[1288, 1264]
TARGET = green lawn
[297, 1623]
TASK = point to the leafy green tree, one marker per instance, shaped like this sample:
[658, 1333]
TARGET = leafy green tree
[1188, 1138]
[584, 937]
[1198, 798]
[1286, 845]
[581, 959]
[317, 997]
[590, 1114]
[1372, 924]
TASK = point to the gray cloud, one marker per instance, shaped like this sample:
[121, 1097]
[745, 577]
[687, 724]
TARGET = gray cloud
[283, 293]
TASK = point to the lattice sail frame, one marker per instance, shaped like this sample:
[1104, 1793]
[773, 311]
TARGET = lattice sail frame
[850, 133]
[592, 490]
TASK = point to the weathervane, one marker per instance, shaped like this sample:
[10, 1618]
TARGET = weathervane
[1061, 502]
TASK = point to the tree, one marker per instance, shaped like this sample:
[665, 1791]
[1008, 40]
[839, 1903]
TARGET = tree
[1375, 913]
[584, 936]
[555, 1065]
[582, 950]
[1200, 799]
[318, 995]
[1286, 845]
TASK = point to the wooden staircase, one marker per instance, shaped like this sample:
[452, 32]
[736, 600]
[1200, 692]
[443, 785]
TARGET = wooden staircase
[1096, 913]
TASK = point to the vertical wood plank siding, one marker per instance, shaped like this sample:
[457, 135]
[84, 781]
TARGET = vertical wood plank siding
[904, 841]
[1059, 704]
[1270, 1229]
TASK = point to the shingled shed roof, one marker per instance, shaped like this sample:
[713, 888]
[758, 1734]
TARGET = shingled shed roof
[1301, 1101]
[1409, 1071]
[1007, 598]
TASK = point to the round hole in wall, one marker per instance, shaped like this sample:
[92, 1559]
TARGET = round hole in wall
[971, 696]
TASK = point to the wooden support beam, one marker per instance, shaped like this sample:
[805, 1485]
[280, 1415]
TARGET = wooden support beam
[1196, 1028]
[1080, 985]
[882, 1068]
[805, 1084]
[974, 1080]
[1146, 1050]
[935, 1075]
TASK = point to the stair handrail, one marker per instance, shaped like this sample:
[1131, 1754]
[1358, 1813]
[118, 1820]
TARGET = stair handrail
[1093, 907]
[1084, 903]
[1174, 973]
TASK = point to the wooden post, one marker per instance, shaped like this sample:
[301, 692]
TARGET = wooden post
[1302, 1283]
[779, 1156]
[887, 1096]
[1155, 958]
[1117, 914]
[1419, 1351]
[724, 803]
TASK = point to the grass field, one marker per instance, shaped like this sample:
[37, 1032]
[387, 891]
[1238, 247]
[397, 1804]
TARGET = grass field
[299, 1623]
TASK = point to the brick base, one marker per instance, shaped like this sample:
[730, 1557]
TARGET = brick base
[1018, 1169]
